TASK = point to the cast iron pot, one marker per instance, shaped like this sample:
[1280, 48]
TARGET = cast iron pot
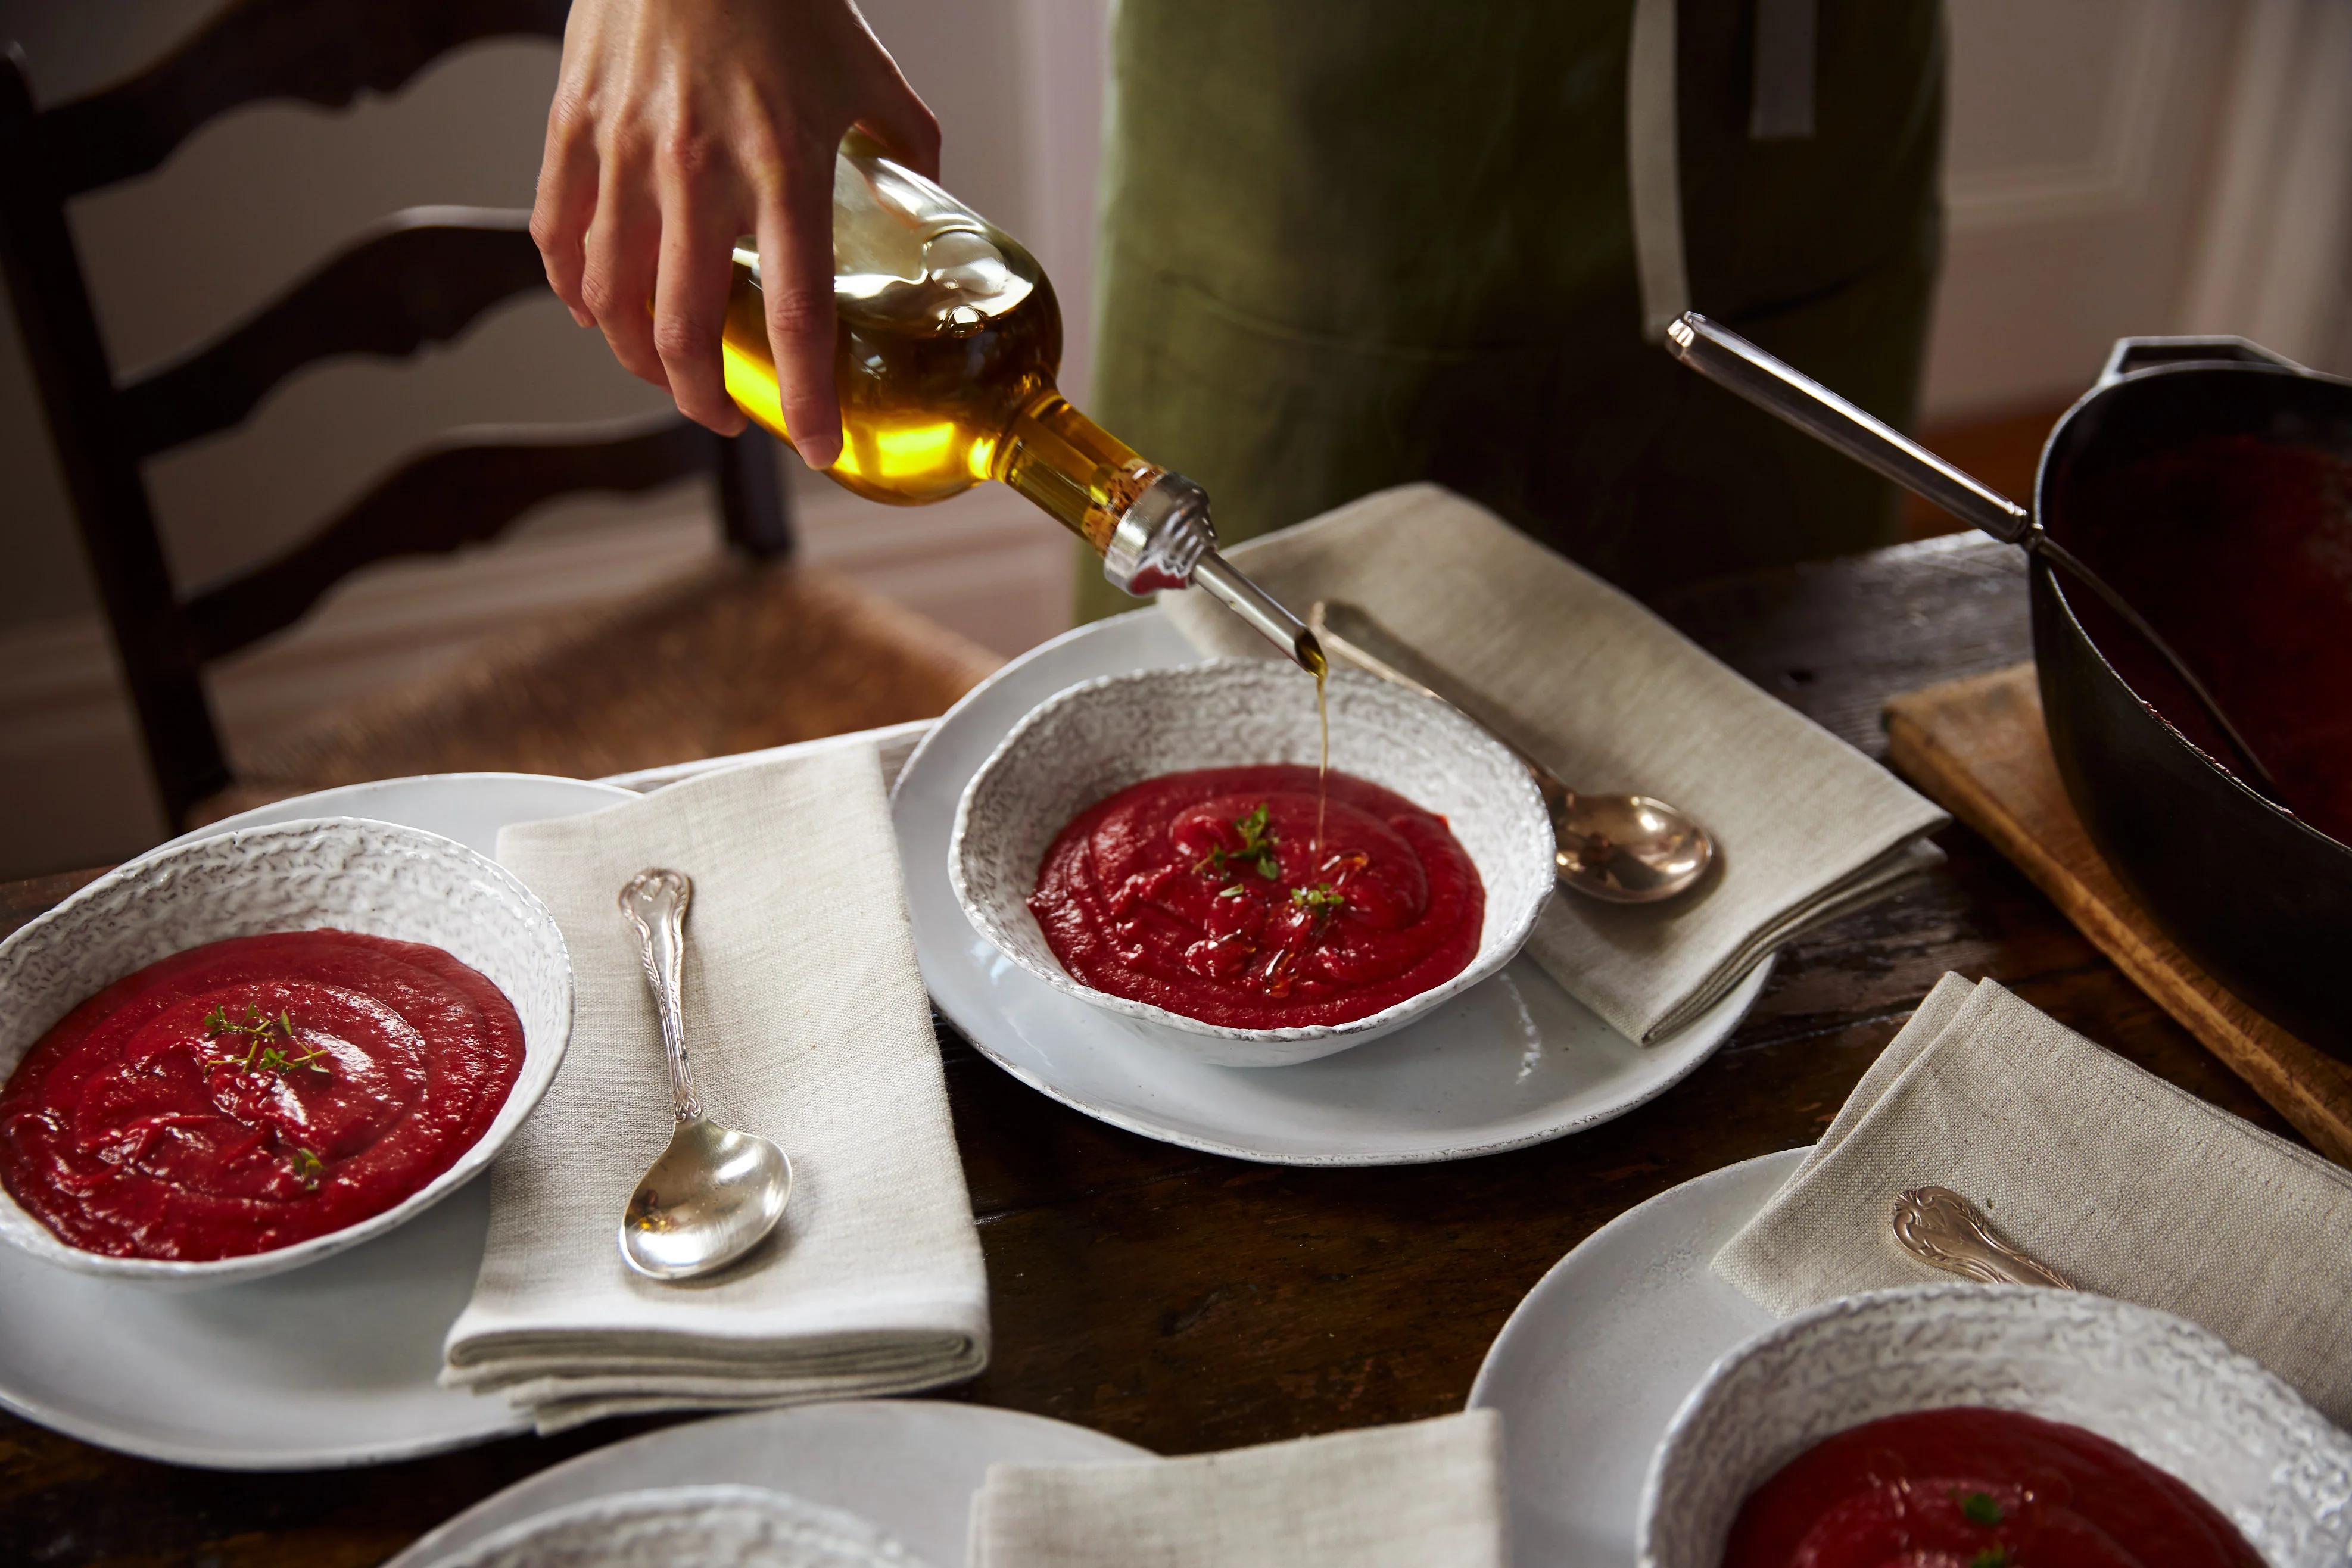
[2258, 898]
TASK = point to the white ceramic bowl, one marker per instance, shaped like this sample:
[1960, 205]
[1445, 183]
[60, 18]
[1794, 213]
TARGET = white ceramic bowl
[1100, 737]
[2163, 1387]
[737, 1526]
[353, 875]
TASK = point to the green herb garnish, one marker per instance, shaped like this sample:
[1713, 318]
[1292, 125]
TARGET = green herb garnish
[258, 1032]
[1257, 849]
[1991, 1557]
[1322, 896]
[308, 1166]
[276, 1060]
[1978, 1508]
[217, 1023]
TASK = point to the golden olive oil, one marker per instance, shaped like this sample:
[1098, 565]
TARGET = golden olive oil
[949, 344]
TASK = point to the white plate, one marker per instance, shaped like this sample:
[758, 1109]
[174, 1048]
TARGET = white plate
[664, 1527]
[1513, 1061]
[328, 1365]
[1594, 1365]
[909, 1467]
[467, 807]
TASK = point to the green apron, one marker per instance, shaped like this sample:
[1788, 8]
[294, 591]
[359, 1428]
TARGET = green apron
[1351, 244]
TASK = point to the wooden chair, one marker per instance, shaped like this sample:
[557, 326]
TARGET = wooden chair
[754, 652]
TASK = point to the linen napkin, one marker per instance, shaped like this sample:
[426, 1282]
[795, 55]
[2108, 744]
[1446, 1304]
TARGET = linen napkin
[806, 1022]
[1610, 698]
[1389, 1496]
[2126, 1184]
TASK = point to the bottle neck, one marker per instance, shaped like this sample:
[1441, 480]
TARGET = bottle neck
[1081, 474]
[1151, 527]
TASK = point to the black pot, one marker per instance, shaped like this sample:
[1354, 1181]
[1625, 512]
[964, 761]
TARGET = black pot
[2259, 898]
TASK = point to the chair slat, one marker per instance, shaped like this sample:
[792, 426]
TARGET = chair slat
[160, 665]
[421, 276]
[321, 53]
[456, 494]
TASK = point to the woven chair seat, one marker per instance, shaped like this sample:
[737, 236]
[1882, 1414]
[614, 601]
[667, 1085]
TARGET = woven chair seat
[740, 655]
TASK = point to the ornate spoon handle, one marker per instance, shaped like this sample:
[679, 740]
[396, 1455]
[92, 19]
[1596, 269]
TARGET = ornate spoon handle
[655, 901]
[1943, 1231]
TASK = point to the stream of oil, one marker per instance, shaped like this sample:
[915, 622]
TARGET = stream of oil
[1323, 767]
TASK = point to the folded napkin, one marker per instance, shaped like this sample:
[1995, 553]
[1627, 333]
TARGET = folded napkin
[1428, 1492]
[2127, 1185]
[807, 1023]
[1610, 698]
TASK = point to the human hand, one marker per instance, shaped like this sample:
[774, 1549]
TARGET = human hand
[679, 125]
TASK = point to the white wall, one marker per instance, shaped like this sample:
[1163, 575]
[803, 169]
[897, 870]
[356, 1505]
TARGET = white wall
[2130, 167]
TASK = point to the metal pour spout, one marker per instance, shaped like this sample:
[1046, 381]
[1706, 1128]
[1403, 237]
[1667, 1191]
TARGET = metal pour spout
[1165, 539]
[1264, 614]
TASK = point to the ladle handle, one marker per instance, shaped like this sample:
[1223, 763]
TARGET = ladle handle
[1731, 362]
[1734, 363]
[655, 901]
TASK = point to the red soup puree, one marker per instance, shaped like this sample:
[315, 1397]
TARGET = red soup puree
[1215, 893]
[252, 1093]
[1973, 1488]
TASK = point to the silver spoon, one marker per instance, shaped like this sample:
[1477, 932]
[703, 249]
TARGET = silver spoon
[1943, 1231]
[1622, 848]
[715, 1192]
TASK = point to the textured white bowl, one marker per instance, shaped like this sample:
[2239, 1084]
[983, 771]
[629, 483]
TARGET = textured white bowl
[2161, 1387]
[343, 873]
[667, 1527]
[1100, 737]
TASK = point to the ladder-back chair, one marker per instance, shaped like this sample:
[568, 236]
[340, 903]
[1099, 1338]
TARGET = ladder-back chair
[420, 277]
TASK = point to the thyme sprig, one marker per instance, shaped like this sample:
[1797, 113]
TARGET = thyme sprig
[1257, 850]
[259, 1031]
[217, 1023]
[1321, 896]
[308, 1166]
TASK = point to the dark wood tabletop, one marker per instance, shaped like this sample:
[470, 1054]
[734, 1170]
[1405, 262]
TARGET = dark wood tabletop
[1186, 1301]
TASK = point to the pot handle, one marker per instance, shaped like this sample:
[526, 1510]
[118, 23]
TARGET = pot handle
[2131, 354]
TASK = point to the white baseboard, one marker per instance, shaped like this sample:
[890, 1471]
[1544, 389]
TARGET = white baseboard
[74, 791]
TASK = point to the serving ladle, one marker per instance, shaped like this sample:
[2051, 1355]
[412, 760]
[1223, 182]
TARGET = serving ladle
[1622, 849]
[1780, 389]
[715, 1192]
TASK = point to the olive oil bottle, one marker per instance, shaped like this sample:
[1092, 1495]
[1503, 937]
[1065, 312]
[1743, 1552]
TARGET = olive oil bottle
[950, 340]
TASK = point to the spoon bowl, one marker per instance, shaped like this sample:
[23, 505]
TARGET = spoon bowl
[715, 1191]
[712, 1197]
[1628, 849]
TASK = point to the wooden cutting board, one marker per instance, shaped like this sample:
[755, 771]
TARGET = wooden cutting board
[1979, 746]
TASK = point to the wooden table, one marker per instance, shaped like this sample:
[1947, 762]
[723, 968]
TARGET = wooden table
[1185, 1301]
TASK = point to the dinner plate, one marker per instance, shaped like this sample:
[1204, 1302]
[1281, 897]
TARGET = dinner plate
[909, 1467]
[1514, 1060]
[467, 807]
[1594, 1364]
[331, 1364]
